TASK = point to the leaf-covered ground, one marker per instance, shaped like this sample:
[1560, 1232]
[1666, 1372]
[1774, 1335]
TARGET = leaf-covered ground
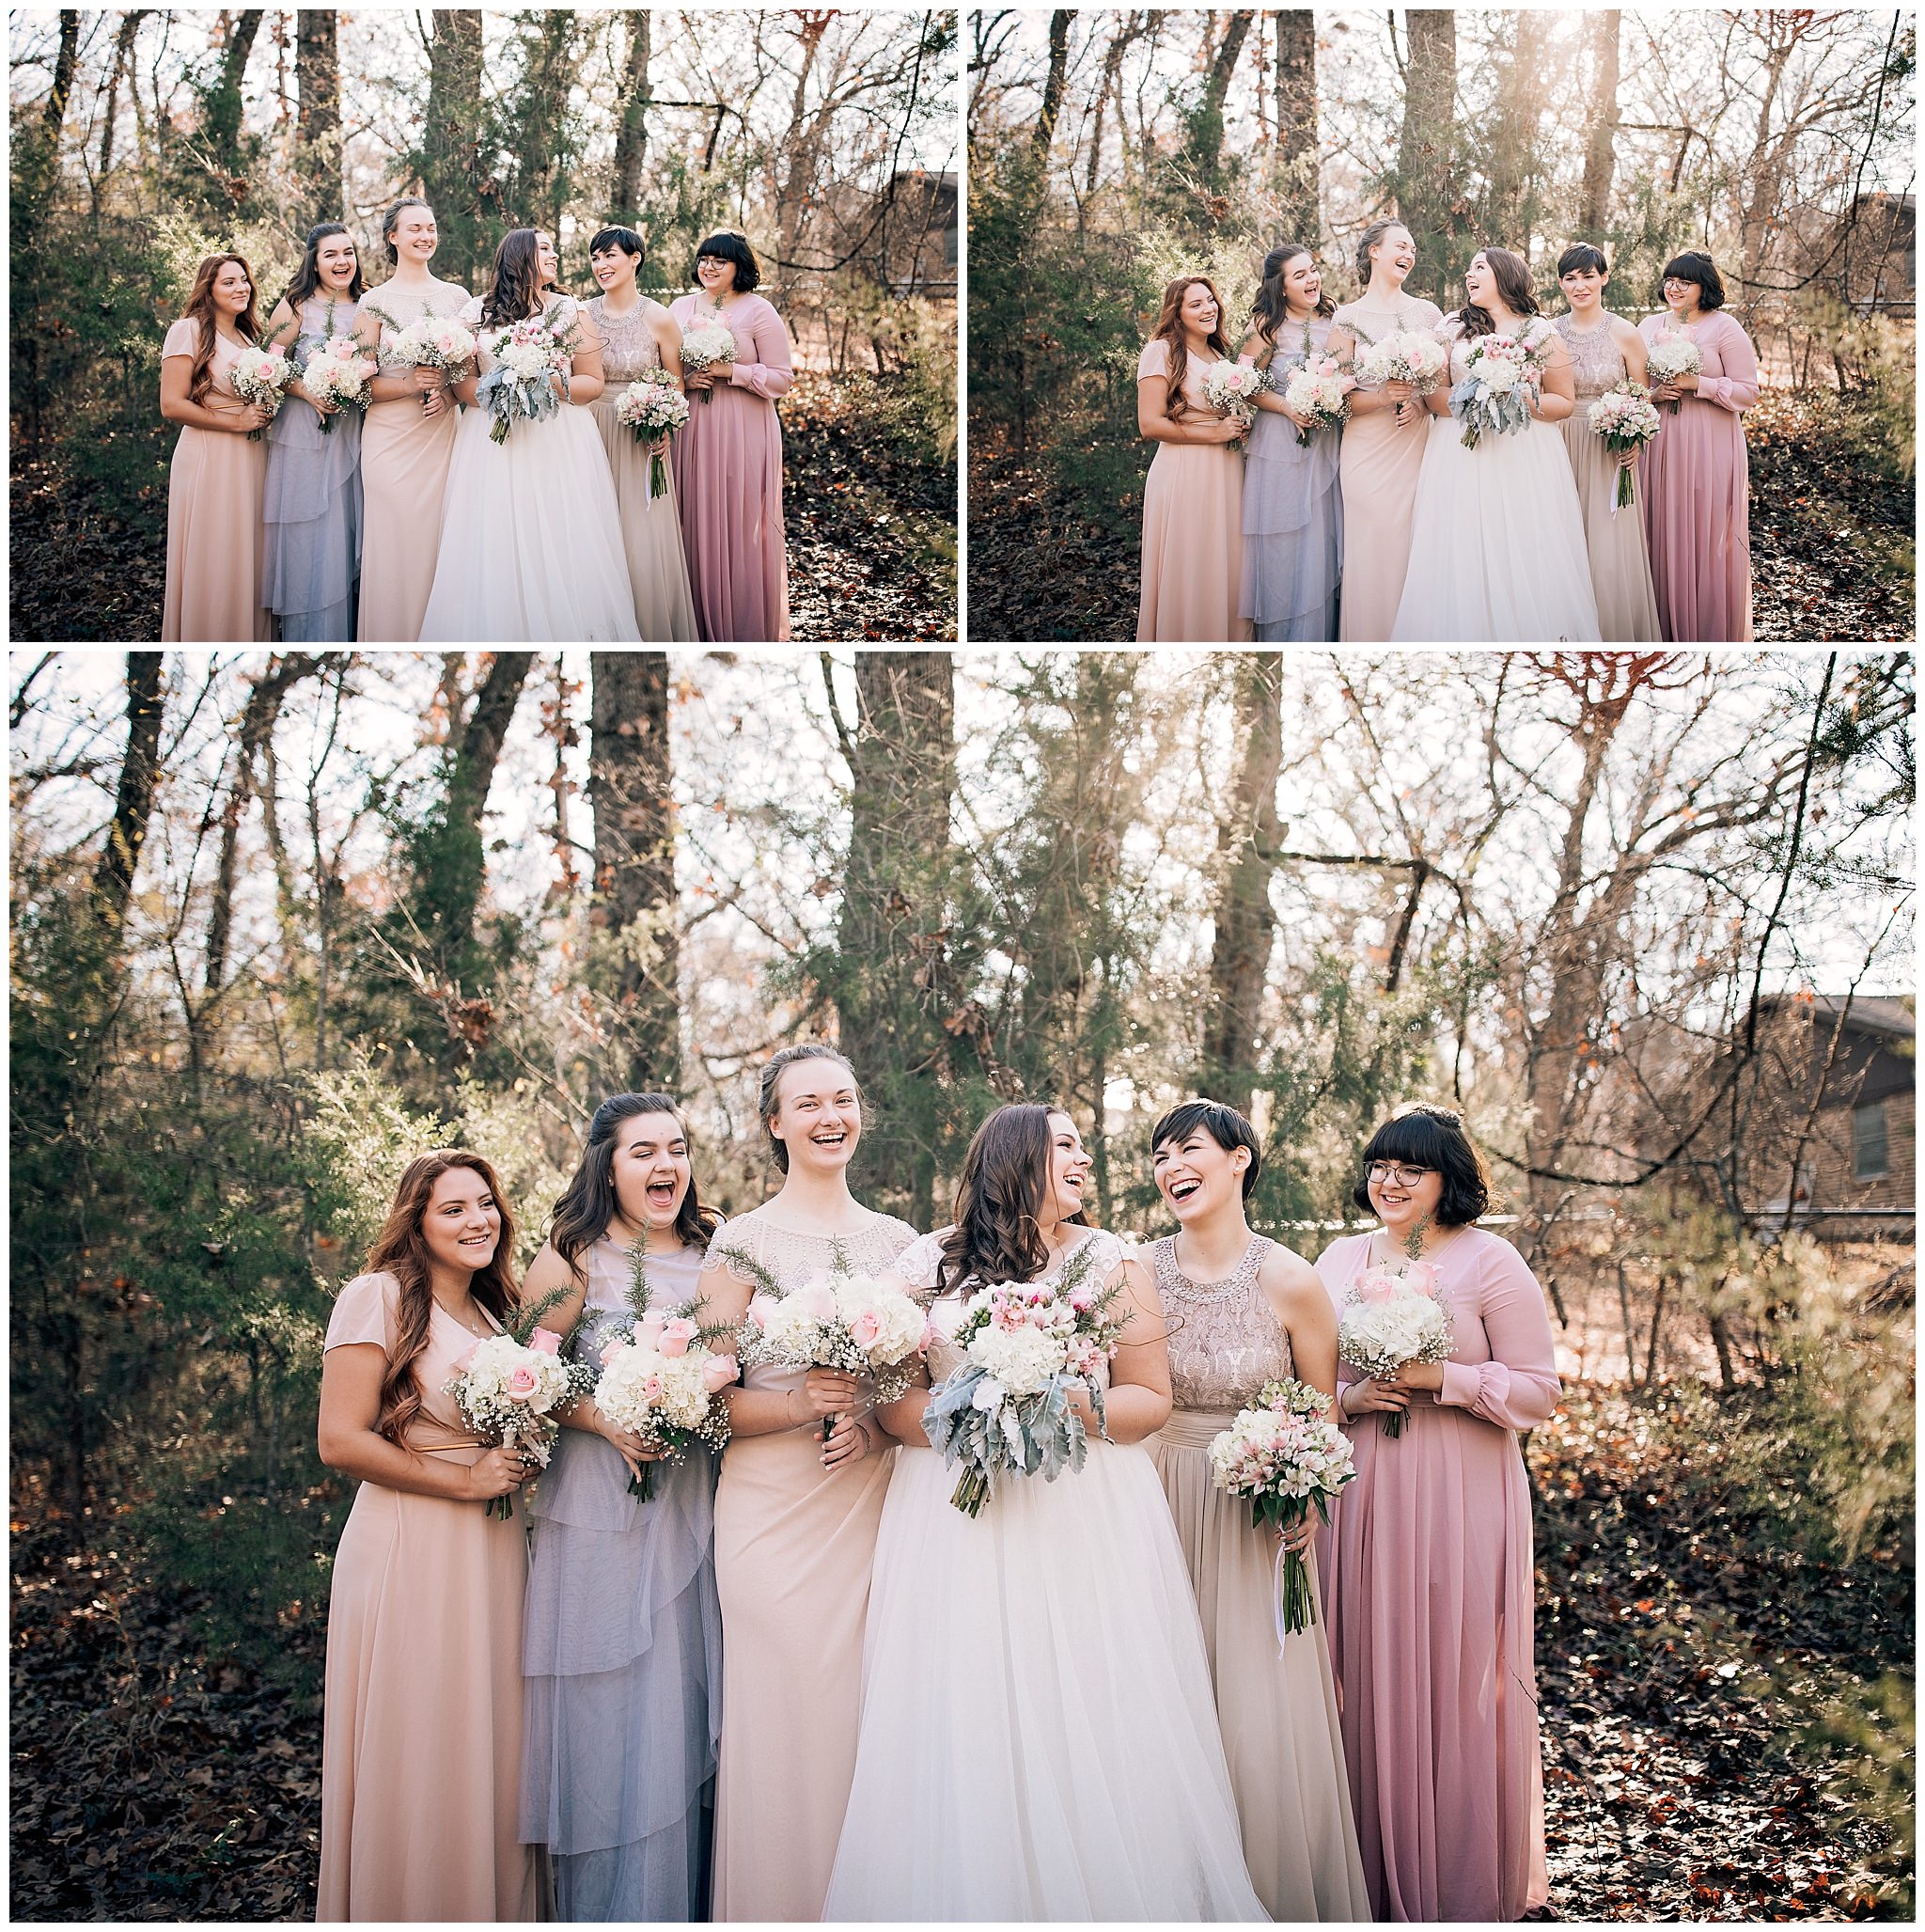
[1831, 541]
[1682, 1647]
[872, 528]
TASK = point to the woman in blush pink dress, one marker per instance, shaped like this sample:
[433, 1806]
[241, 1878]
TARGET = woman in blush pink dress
[1696, 491]
[728, 460]
[1427, 1578]
[1193, 502]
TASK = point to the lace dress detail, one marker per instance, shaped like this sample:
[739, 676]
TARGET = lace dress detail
[1597, 363]
[628, 344]
[792, 1257]
[1224, 1339]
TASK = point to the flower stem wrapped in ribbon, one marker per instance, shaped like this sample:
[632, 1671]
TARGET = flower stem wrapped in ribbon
[1390, 1319]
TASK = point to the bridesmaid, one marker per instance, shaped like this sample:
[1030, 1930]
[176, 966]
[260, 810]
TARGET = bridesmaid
[623, 1650]
[313, 506]
[217, 475]
[1241, 1310]
[1193, 500]
[408, 436]
[1293, 507]
[727, 462]
[1606, 351]
[796, 1517]
[639, 334]
[1697, 489]
[1383, 441]
[422, 1736]
[1428, 1589]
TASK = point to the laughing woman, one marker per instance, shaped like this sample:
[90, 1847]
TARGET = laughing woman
[1193, 502]
[623, 1650]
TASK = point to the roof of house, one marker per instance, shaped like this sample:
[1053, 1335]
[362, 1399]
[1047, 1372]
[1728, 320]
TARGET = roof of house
[1868, 1015]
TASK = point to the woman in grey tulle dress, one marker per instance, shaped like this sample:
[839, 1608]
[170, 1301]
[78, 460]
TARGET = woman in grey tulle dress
[622, 1640]
[1293, 504]
[311, 509]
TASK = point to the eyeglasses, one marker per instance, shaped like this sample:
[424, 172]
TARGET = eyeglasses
[1383, 1170]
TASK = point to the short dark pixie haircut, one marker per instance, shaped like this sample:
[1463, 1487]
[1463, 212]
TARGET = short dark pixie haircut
[1224, 1125]
[1694, 265]
[625, 239]
[1425, 1136]
[727, 246]
[1580, 256]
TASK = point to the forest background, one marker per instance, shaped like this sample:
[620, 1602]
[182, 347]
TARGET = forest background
[278, 921]
[1111, 150]
[145, 138]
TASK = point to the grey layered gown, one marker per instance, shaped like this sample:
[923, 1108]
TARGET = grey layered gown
[311, 510]
[622, 1654]
[1292, 515]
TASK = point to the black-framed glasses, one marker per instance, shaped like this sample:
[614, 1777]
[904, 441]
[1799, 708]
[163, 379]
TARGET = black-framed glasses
[1383, 1170]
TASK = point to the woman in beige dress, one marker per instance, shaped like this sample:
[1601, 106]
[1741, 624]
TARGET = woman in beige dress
[217, 478]
[1242, 1310]
[1193, 498]
[796, 1514]
[638, 334]
[407, 435]
[1383, 441]
[1605, 351]
[421, 1738]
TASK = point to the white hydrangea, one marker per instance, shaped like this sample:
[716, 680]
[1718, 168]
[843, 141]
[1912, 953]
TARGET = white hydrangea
[1021, 1360]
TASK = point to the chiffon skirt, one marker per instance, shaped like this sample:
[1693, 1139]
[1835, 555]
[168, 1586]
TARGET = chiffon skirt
[1379, 466]
[1497, 544]
[1292, 534]
[1193, 546]
[1620, 563]
[1278, 1715]
[531, 548]
[728, 463]
[214, 488]
[622, 1659]
[404, 459]
[1038, 1737]
[651, 535]
[312, 525]
[1696, 491]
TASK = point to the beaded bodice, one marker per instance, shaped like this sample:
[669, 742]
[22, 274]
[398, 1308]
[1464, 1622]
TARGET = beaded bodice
[1597, 363]
[628, 344]
[1224, 1339]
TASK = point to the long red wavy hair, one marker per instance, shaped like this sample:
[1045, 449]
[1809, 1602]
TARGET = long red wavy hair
[200, 307]
[1170, 329]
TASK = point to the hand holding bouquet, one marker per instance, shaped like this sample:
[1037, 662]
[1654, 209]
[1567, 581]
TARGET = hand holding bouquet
[1288, 1458]
[530, 376]
[1626, 419]
[1319, 392]
[261, 376]
[1231, 389]
[1502, 377]
[1670, 356]
[705, 347]
[509, 1389]
[1406, 355]
[430, 342]
[1388, 1320]
[336, 373]
[662, 1385]
[653, 406]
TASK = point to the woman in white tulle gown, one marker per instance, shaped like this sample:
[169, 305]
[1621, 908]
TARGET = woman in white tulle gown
[1038, 1736]
[531, 547]
[1497, 551]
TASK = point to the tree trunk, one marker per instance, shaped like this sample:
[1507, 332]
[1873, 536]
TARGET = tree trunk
[1204, 145]
[1245, 922]
[1297, 174]
[317, 130]
[1112, 68]
[1599, 154]
[1426, 180]
[449, 155]
[1515, 166]
[133, 801]
[123, 56]
[631, 133]
[55, 113]
[1045, 130]
[224, 100]
[630, 773]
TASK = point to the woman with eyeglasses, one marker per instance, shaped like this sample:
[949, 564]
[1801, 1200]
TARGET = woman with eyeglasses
[1427, 1570]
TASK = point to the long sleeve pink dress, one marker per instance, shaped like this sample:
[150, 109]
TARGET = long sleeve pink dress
[1697, 493]
[1427, 1593]
[727, 465]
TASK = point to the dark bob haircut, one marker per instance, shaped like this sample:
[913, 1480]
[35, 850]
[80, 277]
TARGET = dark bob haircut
[1581, 256]
[1224, 1125]
[727, 246]
[1425, 1136]
[625, 239]
[1694, 265]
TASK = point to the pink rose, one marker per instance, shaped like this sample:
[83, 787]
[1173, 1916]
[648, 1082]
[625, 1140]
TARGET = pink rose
[1422, 1278]
[522, 1383]
[676, 1337]
[651, 1389]
[1082, 1300]
[818, 1299]
[651, 1328]
[609, 1353]
[545, 1342]
[760, 1307]
[719, 1371]
[1374, 1285]
[865, 1330]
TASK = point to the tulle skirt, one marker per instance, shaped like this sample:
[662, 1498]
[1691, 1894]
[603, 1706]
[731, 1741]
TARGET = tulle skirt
[1292, 534]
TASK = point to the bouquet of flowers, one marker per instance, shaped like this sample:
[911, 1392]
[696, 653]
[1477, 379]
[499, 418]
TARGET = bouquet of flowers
[1626, 419]
[1673, 355]
[1316, 391]
[1007, 1409]
[843, 1320]
[262, 375]
[337, 373]
[530, 376]
[1501, 375]
[1389, 1319]
[430, 342]
[1231, 389]
[509, 1386]
[704, 346]
[1408, 355]
[654, 406]
[1288, 1458]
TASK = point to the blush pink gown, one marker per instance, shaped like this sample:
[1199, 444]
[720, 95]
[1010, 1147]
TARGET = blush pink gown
[1695, 490]
[727, 465]
[1426, 1592]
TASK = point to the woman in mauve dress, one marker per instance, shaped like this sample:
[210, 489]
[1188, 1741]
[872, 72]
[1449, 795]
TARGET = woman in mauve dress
[1696, 487]
[729, 459]
[215, 481]
[421, 1741]
[1193, 498]
[1427, 1582]
[795, 1513]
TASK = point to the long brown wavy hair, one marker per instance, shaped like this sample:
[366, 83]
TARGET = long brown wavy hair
[1513, 283]
[515, 293]
[998, 1230]
[400, 1250]
[1170, 329]
[200, 308]
[589, 1204]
